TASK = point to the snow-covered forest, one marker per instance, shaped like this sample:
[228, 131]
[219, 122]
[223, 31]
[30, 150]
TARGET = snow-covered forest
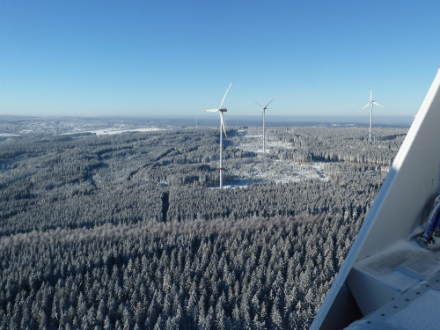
[129, 231]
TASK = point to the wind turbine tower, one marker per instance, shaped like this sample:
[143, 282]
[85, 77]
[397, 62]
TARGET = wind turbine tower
[264, 123]
[222, 127]
[371, 110]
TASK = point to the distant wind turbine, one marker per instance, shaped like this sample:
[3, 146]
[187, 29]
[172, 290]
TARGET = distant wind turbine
[222, 126]
[264, 123]
[371, 110]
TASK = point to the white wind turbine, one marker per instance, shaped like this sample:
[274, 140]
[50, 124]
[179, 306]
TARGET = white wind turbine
[222, 126]
[264, 123]
[371, 110]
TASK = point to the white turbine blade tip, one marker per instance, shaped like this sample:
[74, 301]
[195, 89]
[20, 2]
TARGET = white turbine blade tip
[226, 94]
[269, 103]
[364, 107]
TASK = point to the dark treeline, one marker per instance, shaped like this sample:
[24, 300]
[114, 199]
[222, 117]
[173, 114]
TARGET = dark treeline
[223, 226]
[351, 191]
[341, 144]
[352, 196]
[273, 277]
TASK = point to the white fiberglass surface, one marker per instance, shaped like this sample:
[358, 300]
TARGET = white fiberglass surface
[422, 313]
[382, 266]
[438, 184]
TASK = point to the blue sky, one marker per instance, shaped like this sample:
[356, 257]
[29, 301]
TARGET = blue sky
[174, 58]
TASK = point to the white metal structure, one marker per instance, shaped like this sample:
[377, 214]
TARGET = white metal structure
[222, 127]
[371, 111]
[264, 123]
[389, 280]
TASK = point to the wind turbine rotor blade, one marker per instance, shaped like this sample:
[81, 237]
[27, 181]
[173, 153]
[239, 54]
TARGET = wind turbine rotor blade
[212, 110]
[371, 93]
[223, 123]
[378, 104]
[269, 103]
[221, 106]
[364, 107]
[258, 104]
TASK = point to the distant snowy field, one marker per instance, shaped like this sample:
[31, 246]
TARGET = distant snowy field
[118, 131]
[112, 131]
[8, 134]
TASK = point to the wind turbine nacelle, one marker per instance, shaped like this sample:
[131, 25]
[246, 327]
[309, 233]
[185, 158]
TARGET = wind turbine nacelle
[223, 110]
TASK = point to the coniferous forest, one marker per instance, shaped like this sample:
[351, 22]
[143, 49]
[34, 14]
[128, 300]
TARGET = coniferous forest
[129, 231]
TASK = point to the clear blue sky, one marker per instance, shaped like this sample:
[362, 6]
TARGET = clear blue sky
[168, 58]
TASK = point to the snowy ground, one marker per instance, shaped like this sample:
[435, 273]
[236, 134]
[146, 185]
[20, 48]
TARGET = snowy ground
[283, 171]
[265, 167]
[254, 142]
[111, 131]
[118, 131]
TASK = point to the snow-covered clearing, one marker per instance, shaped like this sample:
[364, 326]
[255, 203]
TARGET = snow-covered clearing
[110, 131]
[266, 167]
[278, 171]
[254, 143]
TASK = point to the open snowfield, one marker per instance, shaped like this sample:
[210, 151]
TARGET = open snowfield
[110, 131]
[249, 141]
[277, 171]
[265, 167]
